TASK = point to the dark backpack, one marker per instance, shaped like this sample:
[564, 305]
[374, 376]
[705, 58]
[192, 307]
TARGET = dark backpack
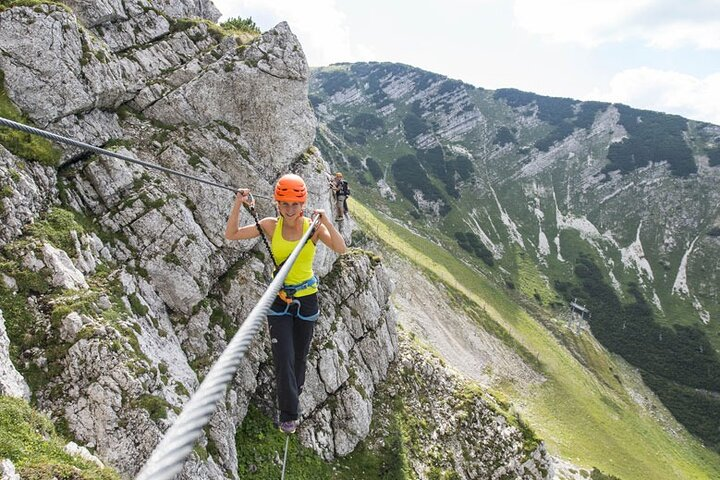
[345, 189]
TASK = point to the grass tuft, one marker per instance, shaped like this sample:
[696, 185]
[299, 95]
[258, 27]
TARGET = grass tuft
[24, 145]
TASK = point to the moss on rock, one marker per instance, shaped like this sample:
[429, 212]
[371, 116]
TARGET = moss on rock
[22, 144]
[30, 441]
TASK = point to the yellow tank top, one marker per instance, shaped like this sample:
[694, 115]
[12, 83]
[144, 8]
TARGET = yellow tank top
[301, 270]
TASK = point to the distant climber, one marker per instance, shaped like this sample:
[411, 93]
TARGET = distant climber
[341, 191]
[291, 317]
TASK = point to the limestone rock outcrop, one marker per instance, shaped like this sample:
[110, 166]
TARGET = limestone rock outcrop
[132, 291]
[441, 408]
[11, 382]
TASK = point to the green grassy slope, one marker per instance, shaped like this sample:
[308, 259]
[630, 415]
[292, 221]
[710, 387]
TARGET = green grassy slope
[584, 413]
[30, 441]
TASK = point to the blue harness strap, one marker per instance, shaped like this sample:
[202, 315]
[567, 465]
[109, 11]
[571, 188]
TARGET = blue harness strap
[291, 290]
[288, 298]
[295, 301]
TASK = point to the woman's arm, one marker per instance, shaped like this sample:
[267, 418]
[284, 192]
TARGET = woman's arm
[233, 230]
[328, 234]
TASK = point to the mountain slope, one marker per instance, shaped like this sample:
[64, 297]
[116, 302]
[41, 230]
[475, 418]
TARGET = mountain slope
[555, 198]
[588, 406]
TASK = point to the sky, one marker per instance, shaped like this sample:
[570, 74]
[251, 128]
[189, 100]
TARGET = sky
[661, 55]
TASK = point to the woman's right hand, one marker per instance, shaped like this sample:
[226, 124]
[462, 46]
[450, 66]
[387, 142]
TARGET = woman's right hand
[243, 195]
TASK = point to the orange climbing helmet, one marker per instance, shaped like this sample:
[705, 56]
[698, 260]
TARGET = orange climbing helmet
[290, 188]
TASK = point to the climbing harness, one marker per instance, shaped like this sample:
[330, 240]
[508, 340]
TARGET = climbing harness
[86, 146]
[287, 293]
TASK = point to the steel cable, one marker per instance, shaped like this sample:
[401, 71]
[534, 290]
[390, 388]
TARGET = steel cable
[86, 146]
[287, 441]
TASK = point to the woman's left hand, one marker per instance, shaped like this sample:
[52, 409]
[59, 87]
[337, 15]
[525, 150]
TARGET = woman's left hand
[329, 235]
[320, 212]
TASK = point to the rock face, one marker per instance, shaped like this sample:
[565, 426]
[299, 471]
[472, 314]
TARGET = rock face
[351, 356]
[144, 293]
[29, 189]
[441, 408]
[242, 89]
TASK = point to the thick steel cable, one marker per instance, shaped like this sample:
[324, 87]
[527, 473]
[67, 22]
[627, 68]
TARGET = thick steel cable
[287, 441]
[168, 457]
[86, 146]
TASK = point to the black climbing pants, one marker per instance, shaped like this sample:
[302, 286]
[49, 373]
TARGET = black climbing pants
[290, 337]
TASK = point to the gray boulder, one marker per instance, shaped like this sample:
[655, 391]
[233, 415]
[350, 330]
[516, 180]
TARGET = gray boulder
[11, 382]
[28, 189]
[252, 89]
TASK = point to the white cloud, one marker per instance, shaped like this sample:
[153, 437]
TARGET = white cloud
[588, 22]
[666, 91]
[662, 24]
[319, 25]
[678, 34]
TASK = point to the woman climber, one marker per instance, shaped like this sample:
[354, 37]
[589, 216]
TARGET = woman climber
[292, 315]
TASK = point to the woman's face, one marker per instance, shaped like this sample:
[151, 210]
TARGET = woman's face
[291, 209]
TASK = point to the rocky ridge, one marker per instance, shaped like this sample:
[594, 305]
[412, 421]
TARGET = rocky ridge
[564, 184]
[442, 407]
